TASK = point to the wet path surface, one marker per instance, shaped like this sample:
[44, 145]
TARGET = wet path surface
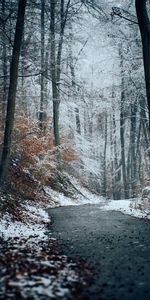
[116, 245]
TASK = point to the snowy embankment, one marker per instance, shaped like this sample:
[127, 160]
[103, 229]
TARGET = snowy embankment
[80, 199]
[33, 222]
[82, 196]
[129, 207]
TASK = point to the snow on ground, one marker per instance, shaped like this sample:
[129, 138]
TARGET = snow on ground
[126, 207]
[31, 266]
[83, 196]
[33, 223]
[18, 229]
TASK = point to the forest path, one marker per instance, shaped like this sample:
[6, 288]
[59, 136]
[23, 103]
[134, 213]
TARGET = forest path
[117, 246]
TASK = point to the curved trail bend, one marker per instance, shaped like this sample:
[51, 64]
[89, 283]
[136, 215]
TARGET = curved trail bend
[116, 245]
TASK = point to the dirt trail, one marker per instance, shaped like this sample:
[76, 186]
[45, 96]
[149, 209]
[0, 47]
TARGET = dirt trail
[116, 245]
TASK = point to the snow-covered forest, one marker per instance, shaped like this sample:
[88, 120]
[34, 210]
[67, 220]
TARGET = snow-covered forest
[81, 92]
[74, 130]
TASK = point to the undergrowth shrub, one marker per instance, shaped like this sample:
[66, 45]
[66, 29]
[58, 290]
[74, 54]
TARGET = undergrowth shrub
[28, 142]
[68, 154]
[34, 157]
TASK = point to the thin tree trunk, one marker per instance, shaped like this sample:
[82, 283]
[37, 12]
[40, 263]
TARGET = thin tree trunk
[116, 164]
[12, 90]
[78, 124]
[112, 159]
[72, 71]
[56, 63]
[138, 153]
[144, 121]
[54, 76]
[132, 143]
[122, 127]
[104, 186]
[24, 72]
[128, 166]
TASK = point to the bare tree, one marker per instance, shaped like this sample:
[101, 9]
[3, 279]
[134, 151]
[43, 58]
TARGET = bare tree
[56, 56]
[41, 114]
[12, 90]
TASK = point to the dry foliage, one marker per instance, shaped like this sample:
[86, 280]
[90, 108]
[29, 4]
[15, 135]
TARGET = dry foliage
[68, 154]
[27, 140]
[34, 157]
[25, 185]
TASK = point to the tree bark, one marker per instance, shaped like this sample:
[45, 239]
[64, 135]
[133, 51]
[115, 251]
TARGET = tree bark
[56, 62]
[4, 63]
[145, 124]
[144, 25]
[104, 184]
[132, 147]
[41, 114]
[122, 127]
[12, 90]
[54, 76]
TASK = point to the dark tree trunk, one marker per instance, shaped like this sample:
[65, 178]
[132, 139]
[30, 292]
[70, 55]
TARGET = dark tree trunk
[133, 151]
[41, 114]
[144, 25]
[122, 127]
[138, 152]
[4, 63]
[104, 180]
[56, 62]
[55, 93]
[145, 126]
[116, 171]
[72, 71]
[12, 90]
[78, 124]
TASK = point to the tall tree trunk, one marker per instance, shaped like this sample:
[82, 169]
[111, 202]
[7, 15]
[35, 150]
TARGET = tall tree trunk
[4, 67]
[144, 25]
[41, 114]
[132, 143]
[104, 183]
[138, 152]
[122, 126]
[142, 103]
[54, 76]
[112, 159]
[56, 62]
[24, 70]
[117, 172]
[72, 71]
[12, 90]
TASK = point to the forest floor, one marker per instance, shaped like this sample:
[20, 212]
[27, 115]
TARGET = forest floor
[31, 264]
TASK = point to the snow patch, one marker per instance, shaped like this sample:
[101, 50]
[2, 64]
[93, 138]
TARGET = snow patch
[35, 225]
[83, 196]
[126, 207]
[18, 229]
